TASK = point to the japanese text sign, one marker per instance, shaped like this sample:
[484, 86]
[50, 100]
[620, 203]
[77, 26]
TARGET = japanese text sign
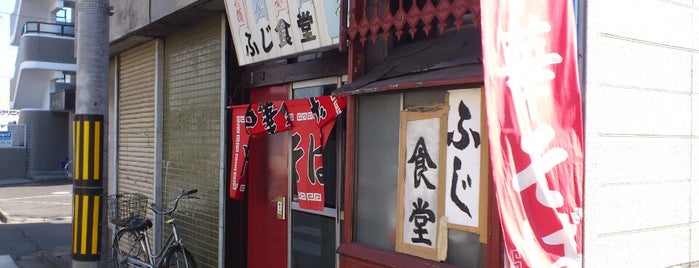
[271, 29]
[420, 190]
[5, 138]
[534, 112]
[310, 120]
[239, 153]
[464, 181]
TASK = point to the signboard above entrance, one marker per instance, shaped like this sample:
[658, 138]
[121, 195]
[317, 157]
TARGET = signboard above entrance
[271, 29]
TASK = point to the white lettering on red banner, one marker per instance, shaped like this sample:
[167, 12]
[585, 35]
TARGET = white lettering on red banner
[310, 120]
[535, 127]
[239, 152]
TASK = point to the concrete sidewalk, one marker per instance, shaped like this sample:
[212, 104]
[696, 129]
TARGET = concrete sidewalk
[35, 223]
[59, 257]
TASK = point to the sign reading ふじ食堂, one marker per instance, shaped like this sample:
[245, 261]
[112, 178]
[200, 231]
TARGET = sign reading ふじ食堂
[271, 29]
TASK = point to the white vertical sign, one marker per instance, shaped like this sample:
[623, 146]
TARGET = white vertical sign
[463, 163]
[420, 201]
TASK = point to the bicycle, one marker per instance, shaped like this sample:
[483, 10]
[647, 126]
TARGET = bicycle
[68, 169]
[131, 246]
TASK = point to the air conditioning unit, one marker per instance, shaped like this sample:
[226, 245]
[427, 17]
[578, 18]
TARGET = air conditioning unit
[63, 100]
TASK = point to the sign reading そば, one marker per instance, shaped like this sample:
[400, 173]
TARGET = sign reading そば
[271, 29]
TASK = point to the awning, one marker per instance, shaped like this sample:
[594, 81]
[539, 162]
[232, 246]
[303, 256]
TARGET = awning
[453, 58]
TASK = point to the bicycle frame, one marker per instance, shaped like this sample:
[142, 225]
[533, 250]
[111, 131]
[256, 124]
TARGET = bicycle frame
[173, 241]
[156, 260]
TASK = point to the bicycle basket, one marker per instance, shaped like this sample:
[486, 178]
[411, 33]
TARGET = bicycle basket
[126, 206]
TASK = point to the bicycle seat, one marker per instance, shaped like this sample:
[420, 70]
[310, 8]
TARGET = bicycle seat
[139, 224]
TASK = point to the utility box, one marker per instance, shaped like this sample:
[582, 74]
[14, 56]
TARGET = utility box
[63, 100]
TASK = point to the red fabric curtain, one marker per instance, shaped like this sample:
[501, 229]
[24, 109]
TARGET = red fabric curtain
[239, 151]
[310, 120]
[534, 118]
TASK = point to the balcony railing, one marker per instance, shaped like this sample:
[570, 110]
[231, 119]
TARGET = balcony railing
[49, 28]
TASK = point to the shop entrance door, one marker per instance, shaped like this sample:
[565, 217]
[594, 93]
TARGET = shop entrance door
[279, 232]
[268, 190]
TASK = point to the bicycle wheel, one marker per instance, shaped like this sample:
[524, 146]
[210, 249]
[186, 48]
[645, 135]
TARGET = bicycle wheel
[126, 244]
[179, 257]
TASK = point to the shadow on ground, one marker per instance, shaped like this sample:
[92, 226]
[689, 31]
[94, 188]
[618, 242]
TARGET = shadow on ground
[24, 238]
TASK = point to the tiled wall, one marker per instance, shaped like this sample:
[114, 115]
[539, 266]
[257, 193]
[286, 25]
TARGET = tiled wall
[13, 163]
[191, 133]
[642, 133]
[47, 143]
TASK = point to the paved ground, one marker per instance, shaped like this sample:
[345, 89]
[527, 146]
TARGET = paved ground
[35, 223]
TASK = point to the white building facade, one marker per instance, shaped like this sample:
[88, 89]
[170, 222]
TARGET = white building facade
[641, 73]
[43, 87]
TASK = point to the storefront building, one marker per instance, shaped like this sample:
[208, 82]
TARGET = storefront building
[285, 205]
[417, 117]
[166, 132]
[399, 175]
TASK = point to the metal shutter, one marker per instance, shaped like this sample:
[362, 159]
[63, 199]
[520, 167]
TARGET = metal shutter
[136, 131]
[191, 133]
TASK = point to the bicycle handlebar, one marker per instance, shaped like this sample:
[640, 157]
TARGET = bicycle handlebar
[183, 193]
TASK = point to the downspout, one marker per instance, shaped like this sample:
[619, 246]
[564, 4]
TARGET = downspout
[158, 153]
[222, 151]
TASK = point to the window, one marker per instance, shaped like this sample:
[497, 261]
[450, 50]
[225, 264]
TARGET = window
[64, 15]
[378, 143]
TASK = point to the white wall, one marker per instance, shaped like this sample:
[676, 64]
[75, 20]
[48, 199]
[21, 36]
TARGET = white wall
[642, 133]
[36, 86]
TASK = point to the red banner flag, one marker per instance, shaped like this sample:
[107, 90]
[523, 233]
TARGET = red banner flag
[239, 153]
[268, 117]
[312, 121]
[535, 129]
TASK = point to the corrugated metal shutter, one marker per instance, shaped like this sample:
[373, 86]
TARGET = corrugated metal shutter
[191, 133]
[136, 138]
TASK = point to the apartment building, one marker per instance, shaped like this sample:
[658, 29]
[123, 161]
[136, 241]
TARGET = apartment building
[43, 87]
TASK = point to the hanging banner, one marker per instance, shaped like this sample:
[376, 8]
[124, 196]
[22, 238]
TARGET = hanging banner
[239, 153]
[534, 118]
[267, 117]
[312, 121]
[271, 29]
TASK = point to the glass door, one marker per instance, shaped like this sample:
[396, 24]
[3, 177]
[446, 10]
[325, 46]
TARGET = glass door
[315, 235]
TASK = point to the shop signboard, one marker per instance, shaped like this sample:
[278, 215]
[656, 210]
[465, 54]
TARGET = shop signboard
[466, 183]
[272, 29]
[421, 225]
[5, 139]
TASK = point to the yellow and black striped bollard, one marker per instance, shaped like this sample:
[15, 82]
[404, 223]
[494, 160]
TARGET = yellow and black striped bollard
[87, 186]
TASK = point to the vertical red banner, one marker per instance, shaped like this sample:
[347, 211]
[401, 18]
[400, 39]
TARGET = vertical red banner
[239, 151]
[534, 114]
[312, 120]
